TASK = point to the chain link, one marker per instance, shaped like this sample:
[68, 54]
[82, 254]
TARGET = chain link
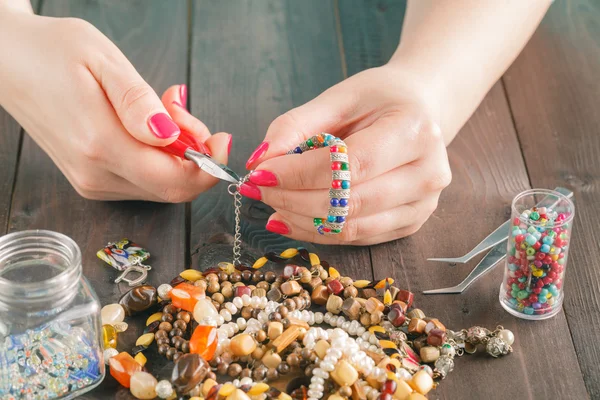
[234, 190]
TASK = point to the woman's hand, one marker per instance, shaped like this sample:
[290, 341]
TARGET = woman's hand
[397, 158]
[85, 105]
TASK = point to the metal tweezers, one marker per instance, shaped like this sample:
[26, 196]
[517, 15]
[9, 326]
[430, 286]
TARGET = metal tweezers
[497, 241]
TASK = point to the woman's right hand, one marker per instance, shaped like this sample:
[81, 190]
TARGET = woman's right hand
[86, 106]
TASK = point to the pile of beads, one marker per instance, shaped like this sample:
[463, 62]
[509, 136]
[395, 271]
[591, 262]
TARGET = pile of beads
[537, 254]
[250, 328]
[339, 193]
[49, 362]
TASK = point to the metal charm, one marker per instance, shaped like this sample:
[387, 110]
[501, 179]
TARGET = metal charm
[143, 271]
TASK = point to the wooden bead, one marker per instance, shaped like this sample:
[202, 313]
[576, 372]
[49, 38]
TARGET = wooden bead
[305, 275]
[365, 319]
[320, 295]
[242, 345]
[259, 292]
[344, 373]
[274, 294]
[351, 308]
[291, 288]
[275, 329]
[334, 304]
[376, 317]
[346, 281]
[416, 313]
[314, 282]
[373, 305]
[350, 291]
[416, 326]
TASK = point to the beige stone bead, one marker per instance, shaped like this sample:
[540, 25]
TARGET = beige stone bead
[321, 348]
[315, 281]
[421, 382]
[334, 304]
[376, 317]
[258, 353]
[336, 397]
[351, 308]
[416, 313]
[373, 305]
[274, 329]
[238, 394]
[344, 373]
[204, 310]
[320, 295]
[429, 354]
[416, 326]
[242, 345]
[271, 360]
[207, 385]
[365, 319]
[290, 288]
[403, 390]
[112, 313]
[142, 385]
[305, 275]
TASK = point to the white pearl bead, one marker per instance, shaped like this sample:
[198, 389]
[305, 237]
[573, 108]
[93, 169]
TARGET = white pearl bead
[255, 301]
[313, 393]
[403, 374]
[263, 302]
[320, 373]
[361, 330]
[241, 323]
[507, 336]
[231, 308]
[317, 387]
[245, 381]
[236, 383]
[327, 366]
[316, 379]
[246, 300]
[225, 314]
[373, 339]
[319, 317]
[365, 336]
[221, 320]
[327, 318]
[237, 301]
[346, 326]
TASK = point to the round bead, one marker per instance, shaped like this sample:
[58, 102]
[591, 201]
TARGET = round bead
[336, 184]
[109, 353]
[163, 291]
[334, 202]
[143, 385]
[343, 202]
[164, 389]
[345, 184]
[336, 165]
[507, 336]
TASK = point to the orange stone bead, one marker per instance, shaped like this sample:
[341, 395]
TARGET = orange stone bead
[204, 341]
[185, 296]
[122, 366]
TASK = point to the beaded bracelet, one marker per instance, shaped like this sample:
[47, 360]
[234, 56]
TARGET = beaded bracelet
[339, 193]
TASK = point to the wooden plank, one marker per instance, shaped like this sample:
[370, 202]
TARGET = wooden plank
[553, 91]
[371, 29]
[44, 199]
[10, 136]
[488, 170]
[250, 63]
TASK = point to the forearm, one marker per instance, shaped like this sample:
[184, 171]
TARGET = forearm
[17, 5]
[459, 49]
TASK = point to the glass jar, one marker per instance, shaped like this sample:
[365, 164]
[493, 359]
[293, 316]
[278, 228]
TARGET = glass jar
[538, 245]
[49, 319]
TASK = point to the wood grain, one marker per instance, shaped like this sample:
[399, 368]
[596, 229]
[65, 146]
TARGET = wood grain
[488, 170]
[251, 62]
[553, 90]
[153, 35]
[10, 136]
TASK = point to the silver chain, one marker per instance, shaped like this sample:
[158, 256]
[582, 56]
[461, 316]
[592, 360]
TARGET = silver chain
[234, 190]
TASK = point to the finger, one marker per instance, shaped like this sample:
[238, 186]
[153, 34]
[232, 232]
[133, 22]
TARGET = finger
[328, 112]
[373, 151]
[220, 146]
[403, 185]
[139, 108]
[171, 99]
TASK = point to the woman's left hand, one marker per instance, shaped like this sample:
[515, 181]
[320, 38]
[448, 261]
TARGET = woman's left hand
[396, 151]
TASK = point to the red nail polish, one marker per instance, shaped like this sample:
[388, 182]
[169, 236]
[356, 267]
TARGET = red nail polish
[263, 178]
[163, 126]
[258, 153]
[178, 104]
[277, 227]
[183, 95]
[229, 144]
[250, 190]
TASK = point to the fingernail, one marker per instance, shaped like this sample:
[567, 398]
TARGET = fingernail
[183, 95]
[178, 104]
[258, 153]
[229, 144]
[250, 190]
[277, 227]
[263, 178]
[163, 126]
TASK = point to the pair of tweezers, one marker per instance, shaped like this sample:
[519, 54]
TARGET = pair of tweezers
[497, 241]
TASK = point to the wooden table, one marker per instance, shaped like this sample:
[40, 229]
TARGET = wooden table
[247, 62]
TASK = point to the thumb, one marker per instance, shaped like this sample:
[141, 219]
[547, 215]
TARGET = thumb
[327, 113]
[137, 105]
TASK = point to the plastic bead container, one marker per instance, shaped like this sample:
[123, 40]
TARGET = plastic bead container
[49, 319]
[538, 245]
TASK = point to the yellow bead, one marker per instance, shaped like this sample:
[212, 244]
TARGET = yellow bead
[549, 295]
[195, 398]
[140, 358]
[258, 388]
[226, 267]
[227, 389]
[361, 284]
[145, 340]
[260, 262]
[314, 259]
[109, 336]
[284, 396]
[554, 257]
[387, 298]
[154, 317]
[538, 273]
[387, 344]
[381, 283]
[191, 275]
[333, 273]
[289, 253]
[376, 328]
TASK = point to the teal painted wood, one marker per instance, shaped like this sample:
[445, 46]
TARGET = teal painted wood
[488, 170]
[251, 62]
[370, 31]
[553, 90]
[153, 35]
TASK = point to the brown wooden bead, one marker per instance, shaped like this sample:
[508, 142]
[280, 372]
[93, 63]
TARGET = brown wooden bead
[305, 275]
[320, 295]
[246, 275]
[218, 297]
[365, 319]
[346, 281]
[169, 309]
[259, 292]
[222, 368]
[223, 276]
[283, 369]
[170, 353]
[234, 370]
[275, 316]
[167, 317]
[161, 333]
[275, 294]
[246, 373]
[180, 324]
[272, 374]
[213, 287]
[290, 304]
[258, 353]
[255, 313]
[270, 276]
[293, 360]
[176, 341]
[176, 356]
[350, 291]
[163, 340]
[283, 310]
[367, 293]
[376, 317]
[247, 312]
[416, 313]
[212, 277]
[290, 288]
[300, 303]
[227, 291]
[263, 285]
[351, 308]
[416, 326]
[235, 277]
[373, 305]
[185, 347]
[261, 335]
[259, 373]
[258, 276]
[184, 316]
[165, 326]
[163, 348]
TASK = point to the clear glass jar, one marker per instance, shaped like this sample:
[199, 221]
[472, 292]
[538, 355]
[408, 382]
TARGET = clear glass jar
[538, 245]
[50, 343]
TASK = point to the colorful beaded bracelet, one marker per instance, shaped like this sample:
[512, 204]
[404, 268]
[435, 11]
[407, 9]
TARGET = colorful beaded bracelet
[339, 193]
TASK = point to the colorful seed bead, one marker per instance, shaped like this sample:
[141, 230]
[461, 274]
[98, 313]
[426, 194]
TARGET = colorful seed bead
[334, 202]
[336, 165]
[336, 184]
